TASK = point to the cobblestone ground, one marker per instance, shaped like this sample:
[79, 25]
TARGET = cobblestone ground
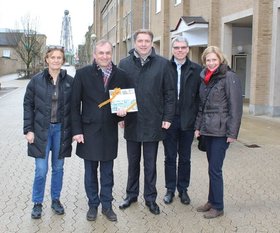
[251, 176]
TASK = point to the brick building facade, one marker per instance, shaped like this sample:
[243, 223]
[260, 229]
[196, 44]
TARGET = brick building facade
[248, 31]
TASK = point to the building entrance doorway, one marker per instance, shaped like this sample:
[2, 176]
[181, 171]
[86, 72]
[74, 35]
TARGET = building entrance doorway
[239, 66]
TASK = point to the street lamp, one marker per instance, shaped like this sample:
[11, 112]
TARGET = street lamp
[93, 37]
[92, 44]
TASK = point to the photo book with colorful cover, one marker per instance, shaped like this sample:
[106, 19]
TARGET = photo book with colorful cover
[123, 99]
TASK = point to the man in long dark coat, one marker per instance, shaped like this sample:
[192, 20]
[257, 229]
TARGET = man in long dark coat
[95, 129]
[150, 75]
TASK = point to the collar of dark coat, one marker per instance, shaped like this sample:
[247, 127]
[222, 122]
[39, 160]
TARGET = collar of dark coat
[62, 73]
[187, 64]
[219, 73]
[97, 68]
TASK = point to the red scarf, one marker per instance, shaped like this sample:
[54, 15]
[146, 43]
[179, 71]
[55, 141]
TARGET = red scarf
[208, 75]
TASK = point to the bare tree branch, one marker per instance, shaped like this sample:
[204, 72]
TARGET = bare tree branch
[28, 45]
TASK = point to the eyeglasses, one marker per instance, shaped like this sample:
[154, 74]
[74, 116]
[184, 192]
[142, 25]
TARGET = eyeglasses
[178, 47]
[54, 47]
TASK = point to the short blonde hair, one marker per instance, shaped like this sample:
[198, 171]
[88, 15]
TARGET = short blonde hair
[217, 51]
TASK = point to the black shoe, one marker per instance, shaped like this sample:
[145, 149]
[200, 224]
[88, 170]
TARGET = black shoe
[37, 211]
[92, 214]
[57, 207]
[153, 207]
[185, 199]
[127, 202]
[110, 214]
[168, 198]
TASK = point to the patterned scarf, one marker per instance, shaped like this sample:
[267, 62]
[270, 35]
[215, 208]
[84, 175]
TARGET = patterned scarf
[106, 71]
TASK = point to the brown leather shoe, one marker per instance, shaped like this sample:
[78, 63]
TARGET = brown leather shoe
[212, 213]
[204, 208]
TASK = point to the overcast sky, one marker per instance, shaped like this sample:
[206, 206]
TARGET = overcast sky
[49, 15]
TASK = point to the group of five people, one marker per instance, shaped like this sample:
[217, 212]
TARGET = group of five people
[173, 107]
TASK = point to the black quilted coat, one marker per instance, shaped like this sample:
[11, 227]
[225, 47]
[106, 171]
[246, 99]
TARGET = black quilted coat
[37, 112]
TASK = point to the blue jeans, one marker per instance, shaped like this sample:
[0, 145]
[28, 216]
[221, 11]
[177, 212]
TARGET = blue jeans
[177, 144]
[41, 167]
[216, 151]
[106, 183]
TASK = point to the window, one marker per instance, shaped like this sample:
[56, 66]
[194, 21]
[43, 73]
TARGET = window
[158, 6]
[6, 53]
[177, 2]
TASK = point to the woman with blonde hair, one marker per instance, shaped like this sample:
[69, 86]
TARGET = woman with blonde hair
[47, 127]
[218, 121]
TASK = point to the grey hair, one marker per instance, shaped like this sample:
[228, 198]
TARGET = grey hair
[102, 42]
[179, 39]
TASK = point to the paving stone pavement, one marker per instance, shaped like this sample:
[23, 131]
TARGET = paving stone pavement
[251, 177]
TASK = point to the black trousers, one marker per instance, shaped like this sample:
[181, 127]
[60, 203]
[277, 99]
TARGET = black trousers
[150, 150]
[177, 164]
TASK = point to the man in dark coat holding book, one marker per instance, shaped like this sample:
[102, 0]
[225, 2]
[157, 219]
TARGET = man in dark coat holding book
[95, 128]
[150, 75]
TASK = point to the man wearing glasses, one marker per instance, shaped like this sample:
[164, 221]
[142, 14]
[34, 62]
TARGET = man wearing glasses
[179, 138]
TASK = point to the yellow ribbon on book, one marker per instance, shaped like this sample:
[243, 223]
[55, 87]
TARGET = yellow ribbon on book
[131, 106]
[117, 91]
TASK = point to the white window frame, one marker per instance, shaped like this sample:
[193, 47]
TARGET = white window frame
[158, 6]
[177, 2]
[6, 53]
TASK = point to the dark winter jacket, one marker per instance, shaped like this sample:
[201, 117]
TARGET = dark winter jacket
[155, 95]
[98, 125]
[187, 105]
[223, 109]
[37, 112]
